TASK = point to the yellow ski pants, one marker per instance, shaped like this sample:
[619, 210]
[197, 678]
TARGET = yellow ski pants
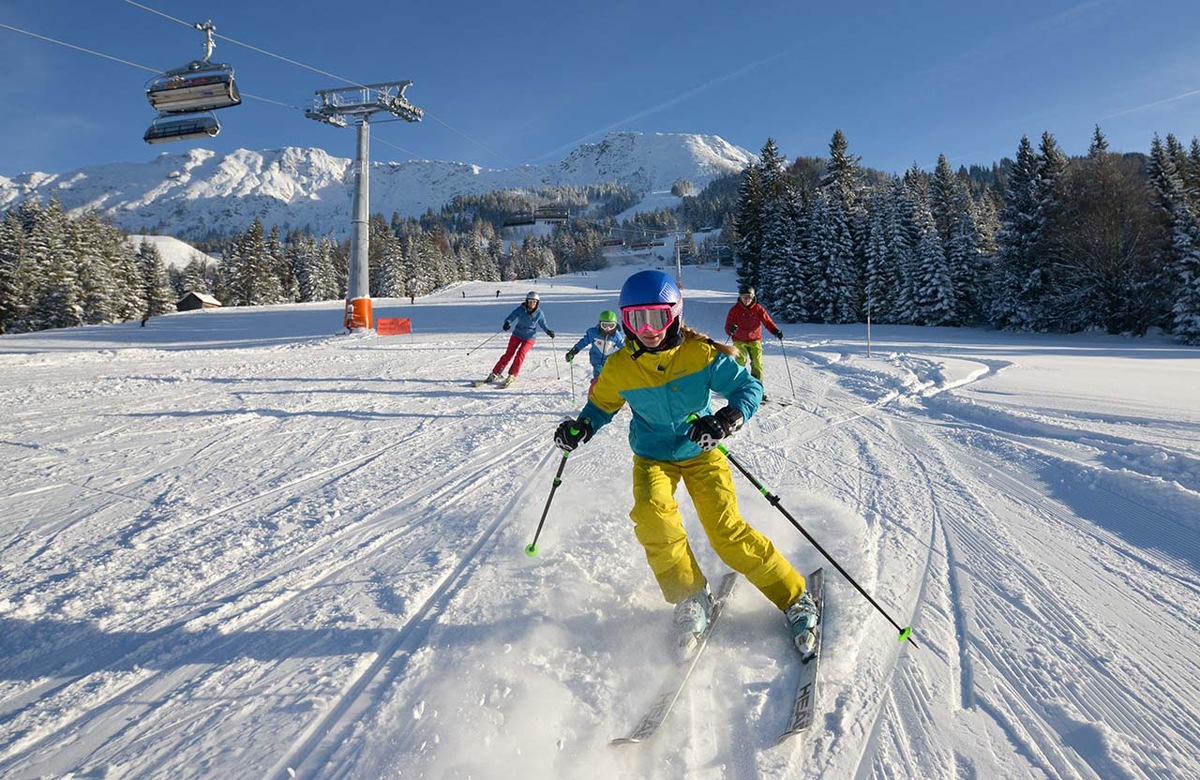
[752, 351]
[658, 525]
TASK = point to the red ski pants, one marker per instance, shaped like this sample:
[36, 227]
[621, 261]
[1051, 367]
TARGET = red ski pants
[516, 352]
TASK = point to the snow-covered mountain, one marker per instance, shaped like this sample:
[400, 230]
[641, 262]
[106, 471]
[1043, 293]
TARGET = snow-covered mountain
[193, 193]
[174, 253]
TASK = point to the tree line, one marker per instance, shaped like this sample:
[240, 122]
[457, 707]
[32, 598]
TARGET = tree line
[57, 271]
[1105, 242]
[1044, 242]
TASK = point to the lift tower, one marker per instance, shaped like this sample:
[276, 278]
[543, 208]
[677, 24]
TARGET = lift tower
[333, 106]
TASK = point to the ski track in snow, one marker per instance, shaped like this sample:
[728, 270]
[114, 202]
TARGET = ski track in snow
[292, 553]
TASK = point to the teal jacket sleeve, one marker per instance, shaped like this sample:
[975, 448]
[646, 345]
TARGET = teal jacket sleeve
[736, 385]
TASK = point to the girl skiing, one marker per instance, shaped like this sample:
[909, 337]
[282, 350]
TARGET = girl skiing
[524, 321]
[605, 340]
[665, 373]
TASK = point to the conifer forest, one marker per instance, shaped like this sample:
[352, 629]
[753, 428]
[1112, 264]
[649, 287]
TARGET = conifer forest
[1044, 242]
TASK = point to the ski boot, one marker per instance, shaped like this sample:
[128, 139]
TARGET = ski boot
[508, 380]
[802, 619]
[691, 621]
[492, 377]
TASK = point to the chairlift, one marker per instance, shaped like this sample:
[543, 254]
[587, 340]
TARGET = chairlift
[167, 128]
[551, 214]
[200, 85]
[519, 219]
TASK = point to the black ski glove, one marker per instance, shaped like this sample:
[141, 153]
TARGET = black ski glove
[571, 433]
[779, 335]
[707, 431]
[550, 333]
[507, 325]
[571, 353]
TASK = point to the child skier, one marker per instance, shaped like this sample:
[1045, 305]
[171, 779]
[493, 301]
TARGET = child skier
[605, 340]
[665, 373]
[524, 321]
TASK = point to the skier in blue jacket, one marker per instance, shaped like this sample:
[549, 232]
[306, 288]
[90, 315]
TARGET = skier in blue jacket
[524, 322]
[605, 339]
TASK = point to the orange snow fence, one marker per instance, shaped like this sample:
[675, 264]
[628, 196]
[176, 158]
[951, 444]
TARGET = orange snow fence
[393, 326]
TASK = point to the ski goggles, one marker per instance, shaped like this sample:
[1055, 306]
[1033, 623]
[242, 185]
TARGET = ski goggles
[652, 319]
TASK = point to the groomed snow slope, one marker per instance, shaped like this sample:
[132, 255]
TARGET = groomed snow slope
[237, 545]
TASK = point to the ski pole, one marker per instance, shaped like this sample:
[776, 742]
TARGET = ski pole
[557, 370]
[905, 631]
[489, 338]
[531, 549]
[787, 368]
[572, 364]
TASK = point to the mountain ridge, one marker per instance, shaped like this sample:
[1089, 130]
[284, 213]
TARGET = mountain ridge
[199, 192]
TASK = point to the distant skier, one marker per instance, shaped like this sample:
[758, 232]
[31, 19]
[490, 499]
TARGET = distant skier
[666, 371]
[605, 339]
[744, 323]
[524, 321]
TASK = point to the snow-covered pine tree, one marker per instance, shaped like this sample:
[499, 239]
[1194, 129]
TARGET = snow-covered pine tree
[98, 294]
[878, 290]
[788, 282]
[748, 223]
[843, 183]
[967, 263]
[779, 221]
[1018, 240]
[841, 302]
[934, 298]
[392, 282]
[943, 198]
[251, 279]
[160, 298]
[55, 276]
[289, 287]
[903, 235]
[15, 284]
[1185, 244]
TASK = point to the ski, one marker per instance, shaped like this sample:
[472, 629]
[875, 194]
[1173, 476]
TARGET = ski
[804, 705]
[499, 384]
[669, 693]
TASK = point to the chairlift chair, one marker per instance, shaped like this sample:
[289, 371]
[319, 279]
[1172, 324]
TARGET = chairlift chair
[195, 87]
[167, 127]
[200, 85]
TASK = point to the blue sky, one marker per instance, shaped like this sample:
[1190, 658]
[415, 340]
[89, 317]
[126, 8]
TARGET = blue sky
[505, 84]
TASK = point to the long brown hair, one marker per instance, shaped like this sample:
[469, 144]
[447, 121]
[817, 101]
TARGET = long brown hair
[695, 335]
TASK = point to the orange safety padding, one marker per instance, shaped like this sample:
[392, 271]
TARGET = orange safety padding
[393, 326]
[358, 314]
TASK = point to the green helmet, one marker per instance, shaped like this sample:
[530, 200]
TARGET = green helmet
[608, 316]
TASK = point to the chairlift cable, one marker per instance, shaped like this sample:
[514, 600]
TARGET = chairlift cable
[102, 55]
[79, 48]
[351, 82]
[243, 94]
[288, 60]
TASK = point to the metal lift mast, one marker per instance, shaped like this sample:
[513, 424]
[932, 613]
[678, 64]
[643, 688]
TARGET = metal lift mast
[333, 106]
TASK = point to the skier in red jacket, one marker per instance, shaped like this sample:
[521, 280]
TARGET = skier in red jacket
[744, 323]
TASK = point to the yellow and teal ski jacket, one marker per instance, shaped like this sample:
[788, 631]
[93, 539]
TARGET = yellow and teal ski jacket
[663, 389]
